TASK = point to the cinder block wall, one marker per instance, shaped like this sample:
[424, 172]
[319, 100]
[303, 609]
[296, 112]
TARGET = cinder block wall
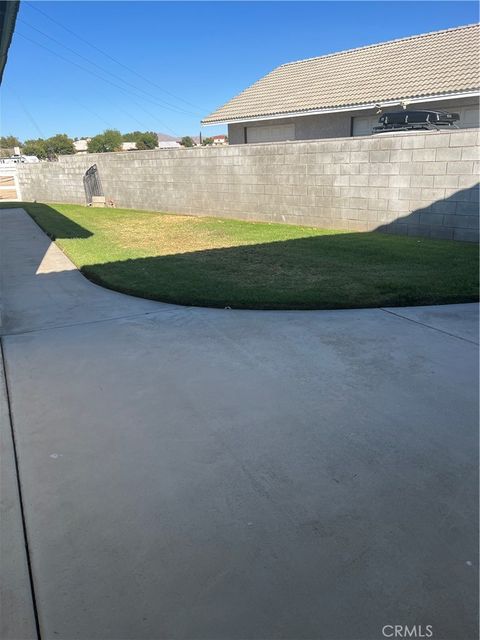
[417, 184]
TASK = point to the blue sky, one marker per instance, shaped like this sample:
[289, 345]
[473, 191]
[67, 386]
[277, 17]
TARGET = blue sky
[192, 56]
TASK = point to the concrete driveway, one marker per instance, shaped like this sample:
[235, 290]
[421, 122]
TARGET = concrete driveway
[222, 475]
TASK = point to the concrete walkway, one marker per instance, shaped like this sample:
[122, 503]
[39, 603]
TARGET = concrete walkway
[220, 475]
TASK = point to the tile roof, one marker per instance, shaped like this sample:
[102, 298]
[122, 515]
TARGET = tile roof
[442, 62]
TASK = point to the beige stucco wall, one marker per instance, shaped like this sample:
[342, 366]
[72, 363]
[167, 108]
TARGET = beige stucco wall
[335, 125]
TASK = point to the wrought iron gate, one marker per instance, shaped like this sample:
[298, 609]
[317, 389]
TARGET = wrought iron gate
[92, 184]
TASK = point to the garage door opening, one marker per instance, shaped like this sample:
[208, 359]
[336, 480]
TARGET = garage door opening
[270, 133]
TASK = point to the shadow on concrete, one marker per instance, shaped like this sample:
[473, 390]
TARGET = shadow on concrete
[41, 288]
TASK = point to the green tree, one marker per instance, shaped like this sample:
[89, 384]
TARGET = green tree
[60, 145]
[207, 142]
[131, 137]
[186, 141]
[147, 140]
[109, 140]
[144, 139]
[36, 147]
[8, 142]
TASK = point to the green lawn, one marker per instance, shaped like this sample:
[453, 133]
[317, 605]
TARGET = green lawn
[218, 262]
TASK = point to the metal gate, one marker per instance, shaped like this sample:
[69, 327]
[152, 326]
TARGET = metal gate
[92, 184]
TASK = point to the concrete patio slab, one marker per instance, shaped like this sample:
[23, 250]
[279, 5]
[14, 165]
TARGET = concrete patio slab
[16, 608]
[219, 475]
[42, 288]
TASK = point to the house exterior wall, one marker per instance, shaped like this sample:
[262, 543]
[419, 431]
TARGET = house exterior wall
[81, 146]
[335, 125]
[416, 183]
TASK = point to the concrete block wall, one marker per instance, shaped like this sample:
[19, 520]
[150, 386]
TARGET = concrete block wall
[418, 183]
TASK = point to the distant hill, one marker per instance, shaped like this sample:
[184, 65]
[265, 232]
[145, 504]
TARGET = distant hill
[166, 137]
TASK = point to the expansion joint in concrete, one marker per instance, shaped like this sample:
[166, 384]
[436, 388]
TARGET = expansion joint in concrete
[428, 326]
[128, 316]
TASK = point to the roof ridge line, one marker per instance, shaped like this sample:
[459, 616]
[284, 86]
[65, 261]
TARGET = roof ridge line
[380, 44]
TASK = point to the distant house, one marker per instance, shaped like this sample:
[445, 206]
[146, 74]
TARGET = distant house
[166, 141]
[220, 139]
[169, 144]
[81, 145]
[129, 146]
[342, 94]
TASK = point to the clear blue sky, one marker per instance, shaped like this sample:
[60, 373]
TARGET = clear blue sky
[201, 52]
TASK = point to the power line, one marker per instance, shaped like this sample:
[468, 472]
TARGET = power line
[114, 75]
[142, 124]
[144, 78]
[55, 53]
[149, 113]
[94, 113]
[58, 55]
[163, 124]
[109, 124]
[29, 115]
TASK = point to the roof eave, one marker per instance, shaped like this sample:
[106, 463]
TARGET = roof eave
[6, 31]
[354, 107]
